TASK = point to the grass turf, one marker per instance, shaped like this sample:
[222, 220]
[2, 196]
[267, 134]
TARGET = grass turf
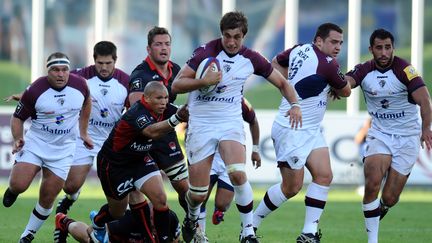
[342, 220]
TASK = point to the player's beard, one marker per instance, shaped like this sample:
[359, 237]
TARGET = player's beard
[384, 66]
[161, 62]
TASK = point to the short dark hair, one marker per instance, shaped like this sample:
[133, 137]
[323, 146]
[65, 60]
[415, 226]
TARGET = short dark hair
[232, 20]
[323, 30]
[57, 55]
[105, 48]
[156, 31]
[381, 34]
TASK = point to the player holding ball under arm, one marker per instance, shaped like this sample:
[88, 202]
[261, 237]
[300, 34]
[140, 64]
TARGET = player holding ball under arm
[223, 107]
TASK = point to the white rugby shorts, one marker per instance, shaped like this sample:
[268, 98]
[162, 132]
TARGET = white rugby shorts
[85, 156]
[59, 167]
[403, 149]
[294, 146]
[202, 141]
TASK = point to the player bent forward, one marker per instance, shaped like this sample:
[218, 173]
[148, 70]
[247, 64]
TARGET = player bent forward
[124, 163]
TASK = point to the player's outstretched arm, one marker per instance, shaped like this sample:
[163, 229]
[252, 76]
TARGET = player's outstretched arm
[15, 97]
[157, 130]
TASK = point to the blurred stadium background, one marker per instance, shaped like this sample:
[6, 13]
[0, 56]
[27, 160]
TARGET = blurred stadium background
[32, 29]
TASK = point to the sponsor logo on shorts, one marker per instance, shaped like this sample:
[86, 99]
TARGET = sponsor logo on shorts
[125, 186]
[294, 159]
[175, 153]
[172, 146]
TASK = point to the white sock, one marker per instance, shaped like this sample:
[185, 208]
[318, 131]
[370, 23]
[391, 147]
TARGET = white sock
[202, 219]
[316, 198]
[272, 200]
[37, 218]
[371, 212]
[244, 202]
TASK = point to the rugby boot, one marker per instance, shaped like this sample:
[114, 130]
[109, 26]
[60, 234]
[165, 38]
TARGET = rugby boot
[64, 205]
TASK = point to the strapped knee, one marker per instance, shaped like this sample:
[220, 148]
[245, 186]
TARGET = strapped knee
[235, 167]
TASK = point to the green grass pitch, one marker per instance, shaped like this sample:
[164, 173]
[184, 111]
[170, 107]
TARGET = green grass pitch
[342, 221]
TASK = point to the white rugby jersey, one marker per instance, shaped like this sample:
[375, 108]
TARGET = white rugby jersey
[224, 104]
[311, 73]
[54, 116]
[388, 96]
[108, 100]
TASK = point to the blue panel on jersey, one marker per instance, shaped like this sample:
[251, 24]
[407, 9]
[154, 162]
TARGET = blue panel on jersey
[310, 86]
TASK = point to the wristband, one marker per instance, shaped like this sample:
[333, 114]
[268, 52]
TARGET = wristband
[295, 104]
[173, 121]
[255, 148]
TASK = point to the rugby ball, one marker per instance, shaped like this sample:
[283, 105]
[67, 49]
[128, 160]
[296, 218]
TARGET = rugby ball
[210, 63]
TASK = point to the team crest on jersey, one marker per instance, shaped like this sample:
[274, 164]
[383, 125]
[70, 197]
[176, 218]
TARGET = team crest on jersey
[104, 112]
[172, 146]
[136, 84]
[226, 67]
[221, 89]
[142, 121]
[385, 103]
[104, 92]
[382, 83]
[59, 119]
[410, 72]
[61, 101]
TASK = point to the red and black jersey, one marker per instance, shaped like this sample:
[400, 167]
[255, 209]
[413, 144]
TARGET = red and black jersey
[147, 72]
[126, 143]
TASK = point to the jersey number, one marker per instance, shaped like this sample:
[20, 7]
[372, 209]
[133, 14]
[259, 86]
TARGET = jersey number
[295, 65]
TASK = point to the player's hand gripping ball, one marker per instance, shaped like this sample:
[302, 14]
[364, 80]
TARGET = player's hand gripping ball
[210, 63]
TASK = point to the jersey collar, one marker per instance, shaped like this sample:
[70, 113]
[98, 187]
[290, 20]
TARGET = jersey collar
[153, 68]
